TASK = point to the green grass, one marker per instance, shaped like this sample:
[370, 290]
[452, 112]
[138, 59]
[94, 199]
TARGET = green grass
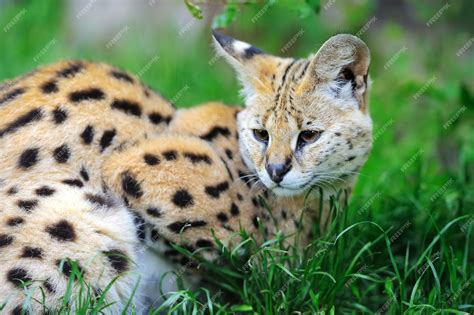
[404, 244]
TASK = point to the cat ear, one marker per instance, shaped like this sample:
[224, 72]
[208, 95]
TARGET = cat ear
[343, 57]
[253, 66]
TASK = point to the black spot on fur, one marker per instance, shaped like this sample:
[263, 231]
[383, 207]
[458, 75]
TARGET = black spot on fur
[297, 224]
[244, 177]
[66, 267]
[88, 135]
[151, 159]
[122, 76]
[32, 252]
[170, 155]
[12, 191]
[62, 231]
[84, 174]
[179, 226]
[71, 71]
[182, 198]
[23, 120]
[128, 107]
[5, 240]
[221, 216]
[140, 225]
[62, 153]
[215, 191]
[98, 200]
[44, 191]
[118, 259]
[154, 212]
[107, 138]
[350, 158]
[215, 132]
[11, 95]
[252, 51]
[349, 143]
[155, 235]
[204, 243]
[50, 87]
[197, 158]
[255, 202]
[157, 118]
[49, 286]
[171, 252]
[131, 186]
[229, 154]
[15, 221]
[18, 276]
[73, 182]
[92, 94]
[28, 158]
[27, 205]
[283, 214]
[234, 209]
[255, 221]
[20, 311]
[59, 115]
[338, 134]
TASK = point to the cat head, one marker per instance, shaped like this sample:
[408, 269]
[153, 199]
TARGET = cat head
[306, 121]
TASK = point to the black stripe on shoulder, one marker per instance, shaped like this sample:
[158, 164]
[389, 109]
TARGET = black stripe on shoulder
[86, 95]
[120, 75]
[11, 95]
[128, 107]
[71, 70]
[33, 115]
[215, 132]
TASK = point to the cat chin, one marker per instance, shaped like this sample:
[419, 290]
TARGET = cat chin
[286, 192]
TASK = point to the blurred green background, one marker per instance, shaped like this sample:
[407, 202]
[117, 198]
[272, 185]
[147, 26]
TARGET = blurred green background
[421, 169]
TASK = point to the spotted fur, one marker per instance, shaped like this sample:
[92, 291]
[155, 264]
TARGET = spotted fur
[97, 169]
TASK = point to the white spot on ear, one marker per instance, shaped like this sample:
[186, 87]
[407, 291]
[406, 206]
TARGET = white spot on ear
[240, 46]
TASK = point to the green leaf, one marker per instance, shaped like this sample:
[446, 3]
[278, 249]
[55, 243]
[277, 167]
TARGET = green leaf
[195, 10]
[226, 17]
[242, 308]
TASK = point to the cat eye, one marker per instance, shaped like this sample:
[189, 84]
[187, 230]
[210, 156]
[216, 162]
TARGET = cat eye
[309, 136]
[261, 135]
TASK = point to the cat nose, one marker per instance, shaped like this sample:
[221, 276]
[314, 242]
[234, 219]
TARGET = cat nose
[278, 171]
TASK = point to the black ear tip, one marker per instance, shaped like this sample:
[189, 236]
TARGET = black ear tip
[222, 39]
